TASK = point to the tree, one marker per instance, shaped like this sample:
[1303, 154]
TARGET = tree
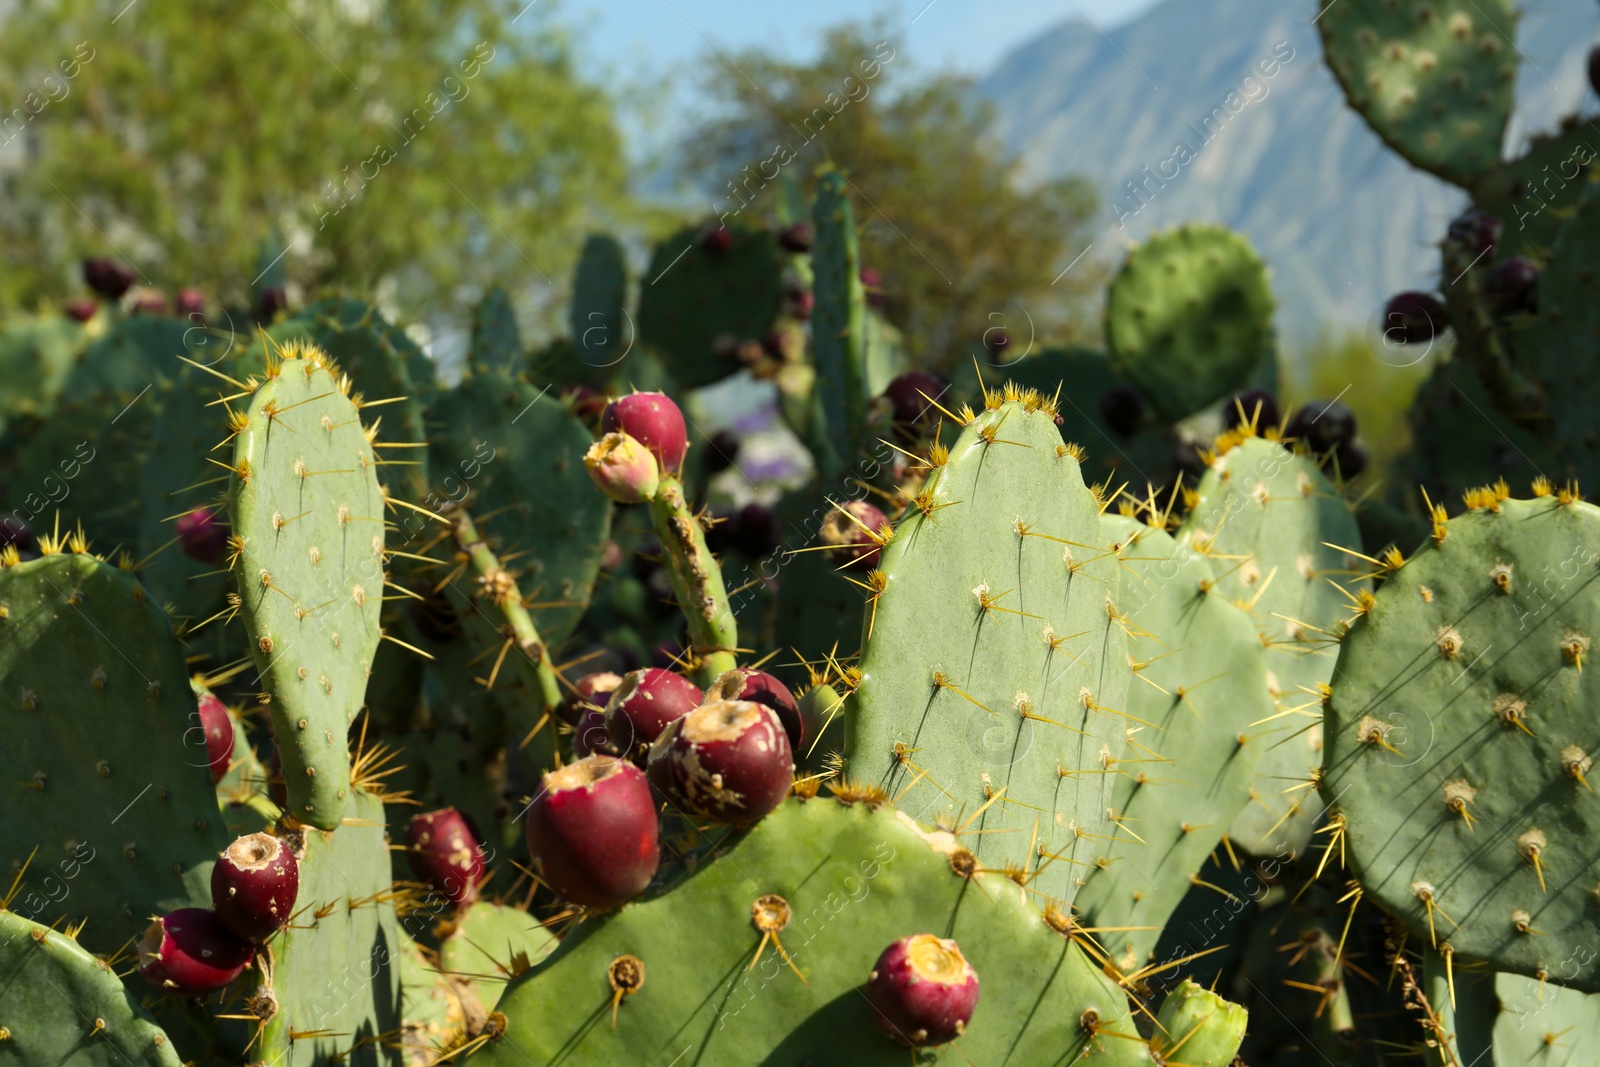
[961, 245]
[429, 144]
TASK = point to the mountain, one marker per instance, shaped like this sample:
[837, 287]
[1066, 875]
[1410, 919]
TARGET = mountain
[1269, 147]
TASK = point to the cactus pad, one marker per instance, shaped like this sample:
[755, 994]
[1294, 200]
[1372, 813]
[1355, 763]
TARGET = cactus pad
[839, 326]
[1433, 78]
[1268, 517]
[308, 516]
[1201, 682]
[601, 332]
[1189, 318]
[994, 677]
[490, 945]
[60, 1004]
[496, 339]
[1459, 733]
[849, 881]
[103, 772]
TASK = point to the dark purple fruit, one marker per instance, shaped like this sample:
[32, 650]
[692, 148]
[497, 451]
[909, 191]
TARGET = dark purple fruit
[797, 238]
[848, 529]
[189, 952]
[923, 990]
[1476, 232]
[716, 240]
[592, 832]
[1594, 69]
[584, 401]
[589, 736]
[757, 531]
[728, 760]
[270, 303]
[643, 705]
[1323, 425]
[1352, 459]
[998, 342]
[1122, 410]
[1257, 404]
[1414, 318]
[14, 533]
[912, 396]
[81, 308]
[1514, 286]
[202, 535]
[722, 451]
[217, 725]
[446, 855]
[764, 689]
[590, 691]
[655, 421]
[110, 280]
[254, 885]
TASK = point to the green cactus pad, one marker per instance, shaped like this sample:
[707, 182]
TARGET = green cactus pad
[1433, 78]
[996, 658]
[1201, 681]
[336, 966]
[132, 355]
[1534, 194]
[104, 772]
[430, 1007]
[61, 1005]
[853, 880]
[1189, 318]
[496, 340]
[492, 944]
[601, 333]
[336, 314]
[1460, 440]
[1199, 1028]
[1267, 517]
[518, 453]
[1539, 1023]
[1458, 736]
[309, 514]
[36, 354]
[687, 304]
[839, 328]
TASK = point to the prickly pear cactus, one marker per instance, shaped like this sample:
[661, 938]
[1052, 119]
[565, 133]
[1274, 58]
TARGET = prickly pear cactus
[335, 980]
[36, 355]
[1433, 78]
[847, 882]
[598, 319]
[694, 299]
[108, 788]
[1200, 683]
[496, 340]
[1539, 1023]
[1268, 518]
[131, 356]
[308, 515]
[994, 674]
[839, 323]
[61, 1004]
[1534, 194]
[1189, 318]
[340, 314]
[490, 945]
[1460, 733]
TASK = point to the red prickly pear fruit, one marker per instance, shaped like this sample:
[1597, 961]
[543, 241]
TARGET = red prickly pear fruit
[642, 706]
[254, 885]
[1477, 232]
[764, 689]
[923, 990]
[202, 535]
[728, 760]
[846, 529]
[797, 238]
[1323, 425]
[217, 725]
[912, 396]
[80, 308]
[652, 419]
[585, 401]
[189, 952]
[1122, 409]
[802, 302]
[1414, 318]
[110, 280]
[590, 690]
[1514, 286]
[716, 240]
[589, 737]
[150, 302]
[592, 831]
[445, 854]
[191, 304]
[623, 469]
[1257, 405]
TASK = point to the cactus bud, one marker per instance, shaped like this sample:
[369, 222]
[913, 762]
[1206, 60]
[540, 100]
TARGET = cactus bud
[797, 238]
[217, 725]
[202, 535]
[728, 760]
[592, 831]
[923, 990]
[110, 280]
[643, 705]
[1209, 1028]
[192, 305]
[624, 469]
[254, 885]
[652, 419]
[1476, 231]
[1514, 286]
[1323, 425]
[445, 854]
[80, 308]
[846, 529]
[189, 952]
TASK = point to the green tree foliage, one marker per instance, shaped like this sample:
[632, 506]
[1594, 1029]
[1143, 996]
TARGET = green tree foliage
[426, 142]
[961, 244]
